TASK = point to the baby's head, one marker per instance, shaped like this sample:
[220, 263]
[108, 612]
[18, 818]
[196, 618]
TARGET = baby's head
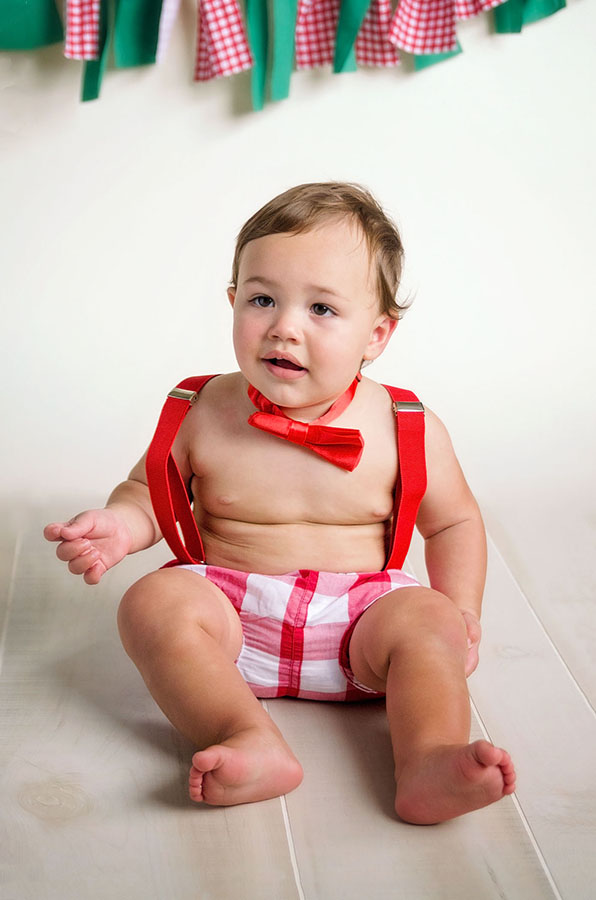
[308, 206]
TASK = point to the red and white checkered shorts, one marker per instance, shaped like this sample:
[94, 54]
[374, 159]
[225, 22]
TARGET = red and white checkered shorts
[297, 627]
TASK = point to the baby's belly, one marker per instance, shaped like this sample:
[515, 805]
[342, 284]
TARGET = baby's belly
[278, 548]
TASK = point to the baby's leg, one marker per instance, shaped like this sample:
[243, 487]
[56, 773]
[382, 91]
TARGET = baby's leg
[412, 644]
[183, 635]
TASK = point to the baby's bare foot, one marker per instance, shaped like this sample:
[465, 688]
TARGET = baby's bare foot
[249, 766]
[452, 780]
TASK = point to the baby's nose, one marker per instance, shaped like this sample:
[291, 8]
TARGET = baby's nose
[286, 325]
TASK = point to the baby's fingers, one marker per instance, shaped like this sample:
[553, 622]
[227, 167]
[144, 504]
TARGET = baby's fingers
[93, 575]
[77, 527]
[69, 550]
[84, 562]
[53, 532]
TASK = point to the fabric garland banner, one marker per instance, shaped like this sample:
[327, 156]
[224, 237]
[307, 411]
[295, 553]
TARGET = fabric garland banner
[269, 37]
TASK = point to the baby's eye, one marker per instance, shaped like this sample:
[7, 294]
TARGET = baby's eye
[262, 301]
[320, 309]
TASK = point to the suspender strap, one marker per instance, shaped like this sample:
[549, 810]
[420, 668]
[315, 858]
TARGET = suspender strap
[169, 494]
[411, 482]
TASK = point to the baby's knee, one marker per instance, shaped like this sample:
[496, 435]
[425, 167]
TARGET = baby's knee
[422, 613]
[439, 617]
[140, 611]
[169, 607]
[408, 620]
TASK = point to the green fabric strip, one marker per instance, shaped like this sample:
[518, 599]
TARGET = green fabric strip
[136, 31]
[430, 59]
[28, 24]
[284, 31]
[258, 38]
[540, 9]
[94, 69]
[133, 26]
[510, 17]
[351, 17]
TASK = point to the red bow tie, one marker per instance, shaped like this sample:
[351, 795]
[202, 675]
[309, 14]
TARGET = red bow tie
[341, 446]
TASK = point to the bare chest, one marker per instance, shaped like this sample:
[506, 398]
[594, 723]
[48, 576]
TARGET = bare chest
[243, 474]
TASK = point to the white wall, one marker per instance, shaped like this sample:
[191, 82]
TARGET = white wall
[119, 219]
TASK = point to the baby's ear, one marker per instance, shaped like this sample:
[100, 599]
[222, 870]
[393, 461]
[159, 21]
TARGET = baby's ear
[379, 337]
[232, 296]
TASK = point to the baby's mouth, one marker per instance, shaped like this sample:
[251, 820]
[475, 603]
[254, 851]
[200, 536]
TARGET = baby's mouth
[285, 364]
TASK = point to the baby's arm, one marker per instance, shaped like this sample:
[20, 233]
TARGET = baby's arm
[97, 539]
[455, 542]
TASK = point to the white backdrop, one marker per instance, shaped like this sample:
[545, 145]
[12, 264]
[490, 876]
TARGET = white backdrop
[119, 219]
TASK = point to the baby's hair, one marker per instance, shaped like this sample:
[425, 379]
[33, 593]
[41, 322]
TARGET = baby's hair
[306, 206]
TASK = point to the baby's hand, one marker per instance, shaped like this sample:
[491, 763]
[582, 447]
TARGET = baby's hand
[91, 543]
[474, 630]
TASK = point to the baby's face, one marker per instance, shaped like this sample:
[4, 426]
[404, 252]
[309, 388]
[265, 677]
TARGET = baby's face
[306, 314]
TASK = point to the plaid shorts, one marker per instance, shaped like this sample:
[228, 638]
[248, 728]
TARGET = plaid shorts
[297, 627]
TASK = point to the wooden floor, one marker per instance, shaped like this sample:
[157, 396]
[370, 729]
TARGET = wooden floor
[94, 800]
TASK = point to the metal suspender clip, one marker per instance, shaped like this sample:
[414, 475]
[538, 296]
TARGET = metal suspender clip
[181, 394]
[407, 406]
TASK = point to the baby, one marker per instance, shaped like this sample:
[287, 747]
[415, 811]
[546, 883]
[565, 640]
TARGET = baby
[297, 592]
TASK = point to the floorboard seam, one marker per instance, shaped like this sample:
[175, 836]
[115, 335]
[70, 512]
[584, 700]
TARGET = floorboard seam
[289, 835]
[523, 818]
[292, 848]
[10, 595]
[544, 630]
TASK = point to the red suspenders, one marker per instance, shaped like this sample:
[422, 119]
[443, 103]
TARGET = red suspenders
[411, 481]
[169, 494]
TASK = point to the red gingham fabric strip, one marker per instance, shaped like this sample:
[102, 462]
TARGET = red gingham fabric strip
[428, 26]
[82, 29]
[466, 9]
[373, 47]
[424, 26]
[316, 26]
[222, 46]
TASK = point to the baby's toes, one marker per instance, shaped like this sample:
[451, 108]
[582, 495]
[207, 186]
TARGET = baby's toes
[509, 782]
